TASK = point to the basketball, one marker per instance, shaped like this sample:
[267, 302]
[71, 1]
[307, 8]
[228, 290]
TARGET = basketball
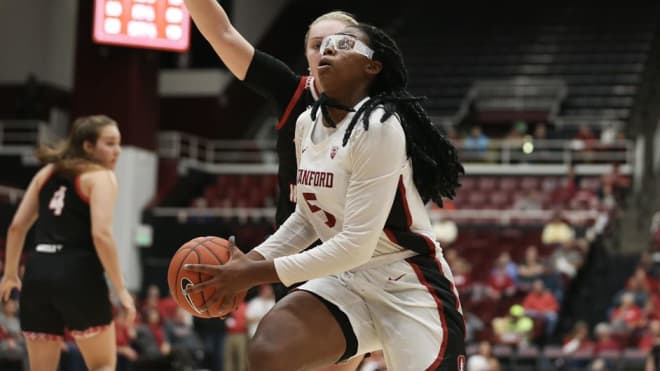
[201, 250]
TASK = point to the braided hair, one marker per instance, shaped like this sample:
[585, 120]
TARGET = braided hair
[436, 167]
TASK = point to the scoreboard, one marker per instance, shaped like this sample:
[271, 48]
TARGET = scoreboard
[150, 24]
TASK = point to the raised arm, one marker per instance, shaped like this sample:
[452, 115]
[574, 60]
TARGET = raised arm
[212, 21]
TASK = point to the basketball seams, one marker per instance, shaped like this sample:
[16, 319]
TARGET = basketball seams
[213, 241]
[206, 254]
[199, 274]
[178, 271]
[214, 254]
[181, 264]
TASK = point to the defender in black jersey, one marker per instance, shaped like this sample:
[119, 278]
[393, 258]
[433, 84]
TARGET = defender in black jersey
[64, 287]
[269, 76]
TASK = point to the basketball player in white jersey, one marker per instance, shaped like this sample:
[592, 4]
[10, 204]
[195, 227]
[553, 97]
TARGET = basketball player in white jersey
[367, 165]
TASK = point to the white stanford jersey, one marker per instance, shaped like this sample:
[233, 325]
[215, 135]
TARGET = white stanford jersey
[358, 199]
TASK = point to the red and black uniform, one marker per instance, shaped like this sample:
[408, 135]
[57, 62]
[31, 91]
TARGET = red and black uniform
[292, 94]
[64, 285]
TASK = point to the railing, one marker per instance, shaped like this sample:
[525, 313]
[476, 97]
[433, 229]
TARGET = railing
[461, 216]
[551, 152]
[184, 146]
[245, 156]
[21, 136]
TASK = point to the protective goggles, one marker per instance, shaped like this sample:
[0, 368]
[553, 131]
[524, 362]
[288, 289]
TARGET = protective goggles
[346, 43]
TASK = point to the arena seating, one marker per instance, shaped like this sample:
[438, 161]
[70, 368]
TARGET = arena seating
[600, 58]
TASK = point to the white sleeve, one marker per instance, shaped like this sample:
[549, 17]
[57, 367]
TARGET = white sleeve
[302, 125]
[294, 235]
[377, 157]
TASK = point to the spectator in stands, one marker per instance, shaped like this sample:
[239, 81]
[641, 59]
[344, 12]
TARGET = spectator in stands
[610, 134]
[236, 340]
[199, 205]
[650, 336]
[653, 357]
[620, 183]
[462, 277]
[71, 357]
[165, 306]
[585, 140]
[212, 333]
[530, 270]
[187, 348]
[446, 231]
[518, 131]
[476, 144]
[125, 334]
[258, 307]
[528, 200]
[640, 286]
[604, 339]
[584, 199]
[504, 260]
[516, 328]
[600, 364]
[578, 340]
[655, 222]
[585, 133]
[607, 198]
[540, 131]
[567, 187]
[151, 336]
[473, 326]
[12, 344]
[451, 255]
[540, 303]
[500, 284]
[557, 231]
[566, 260]
[454, 136]
[484, 359]
[627, 317]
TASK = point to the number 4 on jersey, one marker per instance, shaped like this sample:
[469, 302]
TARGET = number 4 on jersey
[57, 202]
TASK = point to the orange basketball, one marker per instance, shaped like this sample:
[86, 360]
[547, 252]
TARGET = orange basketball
[201, 250]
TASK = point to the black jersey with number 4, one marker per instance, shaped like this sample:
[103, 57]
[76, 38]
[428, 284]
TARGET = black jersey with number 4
[64, 215]
[63, 286]
[291, 94]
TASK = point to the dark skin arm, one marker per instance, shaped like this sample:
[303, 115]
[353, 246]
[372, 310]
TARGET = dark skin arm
[240, 273]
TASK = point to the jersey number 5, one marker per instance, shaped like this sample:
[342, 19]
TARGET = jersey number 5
[330, 219]
[57, 202]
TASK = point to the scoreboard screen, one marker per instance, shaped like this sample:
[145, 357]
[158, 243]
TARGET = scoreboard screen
[150, 24]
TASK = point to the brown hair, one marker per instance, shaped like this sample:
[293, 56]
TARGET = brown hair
[69, 155]
[337, 15]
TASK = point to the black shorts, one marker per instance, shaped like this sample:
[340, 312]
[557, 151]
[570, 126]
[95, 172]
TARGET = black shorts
[49, 306]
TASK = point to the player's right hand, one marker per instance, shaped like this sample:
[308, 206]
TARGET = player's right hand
[7, 285]
[126, 301]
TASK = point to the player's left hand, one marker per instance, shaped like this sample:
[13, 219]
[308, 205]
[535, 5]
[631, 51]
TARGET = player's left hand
[228, 280]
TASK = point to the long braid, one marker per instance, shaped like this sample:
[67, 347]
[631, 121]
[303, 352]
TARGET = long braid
[436, 167]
